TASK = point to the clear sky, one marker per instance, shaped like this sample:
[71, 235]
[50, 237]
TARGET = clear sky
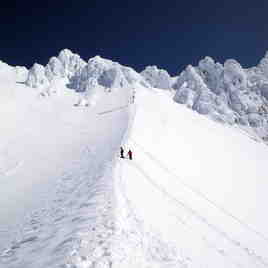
[169, 34]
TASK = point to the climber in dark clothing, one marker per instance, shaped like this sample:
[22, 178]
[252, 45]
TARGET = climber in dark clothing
[130, 154]
[122, 152]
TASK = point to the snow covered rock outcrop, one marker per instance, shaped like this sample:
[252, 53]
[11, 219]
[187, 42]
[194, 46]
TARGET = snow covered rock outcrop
[102, 75]
[157, 78]
[83, 76]
[63, 66]
[227, 93]
[89, 79]
[105, 73]
[37, 76]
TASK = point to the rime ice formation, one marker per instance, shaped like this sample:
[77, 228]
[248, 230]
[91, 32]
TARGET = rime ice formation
[157, 78]
[102, 75]
[105, 73]
[227, 93]
[63, 66]
[91, 78]
[37, 76]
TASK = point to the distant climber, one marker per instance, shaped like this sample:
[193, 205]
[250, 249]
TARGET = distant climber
[122, 152]
[130, 154]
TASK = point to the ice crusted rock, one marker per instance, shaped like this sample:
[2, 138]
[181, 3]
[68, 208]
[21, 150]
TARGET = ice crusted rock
[157, 78]
[37, 77]
[71, 62]
[54, 68]
[263, 65]
[234, 77]
[105, 73]
[211, 73]
[82, 76]
[193, 91]
[227, 93]
[66, 65]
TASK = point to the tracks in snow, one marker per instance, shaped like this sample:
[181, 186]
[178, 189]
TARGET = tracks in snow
[223, 235]
[113, 110]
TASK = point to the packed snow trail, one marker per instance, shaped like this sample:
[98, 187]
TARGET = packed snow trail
[191, 181]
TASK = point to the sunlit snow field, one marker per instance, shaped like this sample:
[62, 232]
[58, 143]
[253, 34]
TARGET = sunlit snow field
[194, 194]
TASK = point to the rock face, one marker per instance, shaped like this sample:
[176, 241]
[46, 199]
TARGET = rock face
[157, 78]
[227, 92]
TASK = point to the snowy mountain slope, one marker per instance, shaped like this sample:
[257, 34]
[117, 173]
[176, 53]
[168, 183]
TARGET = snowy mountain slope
[55, 164]
[202, 186]
[193, 196]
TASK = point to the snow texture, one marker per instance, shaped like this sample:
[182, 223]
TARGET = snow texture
[193, 196]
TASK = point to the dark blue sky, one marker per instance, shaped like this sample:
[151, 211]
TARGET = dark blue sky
[169, 34]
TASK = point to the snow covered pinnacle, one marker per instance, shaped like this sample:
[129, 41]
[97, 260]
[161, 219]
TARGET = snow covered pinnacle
[65, 65]
[81, 75]
[37, 76]
[157, 77]
[107, 74]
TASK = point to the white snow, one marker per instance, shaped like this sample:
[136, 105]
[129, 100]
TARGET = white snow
[193, 196]
[202, 185]
[54, 166]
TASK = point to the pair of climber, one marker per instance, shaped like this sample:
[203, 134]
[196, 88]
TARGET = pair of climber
[122, 153]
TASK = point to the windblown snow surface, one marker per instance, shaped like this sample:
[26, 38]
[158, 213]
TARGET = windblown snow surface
[193, 196]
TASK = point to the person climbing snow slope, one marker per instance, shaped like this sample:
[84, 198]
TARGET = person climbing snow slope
[121, 152]
[130, 154]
